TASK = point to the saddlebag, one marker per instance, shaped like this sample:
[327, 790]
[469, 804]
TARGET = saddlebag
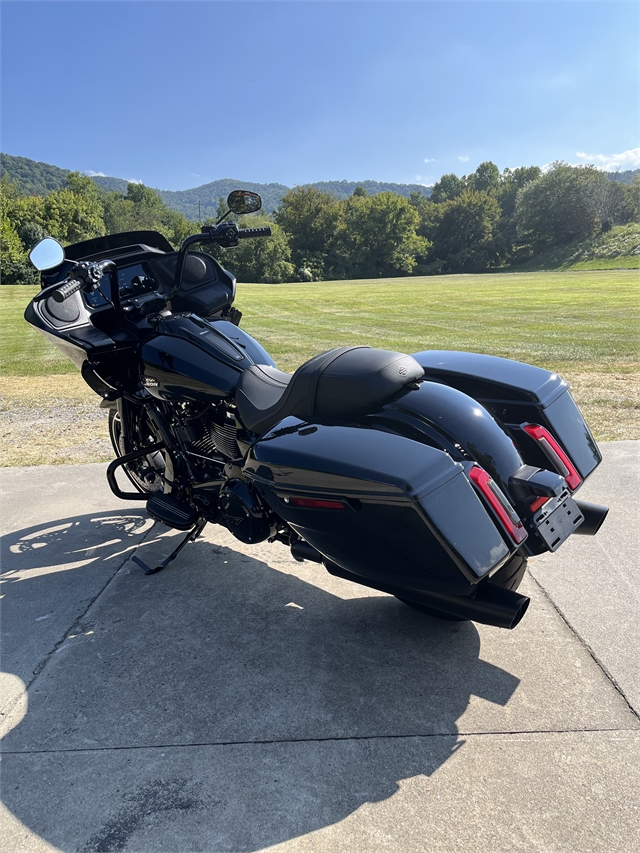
[378, 504]
[518, 394]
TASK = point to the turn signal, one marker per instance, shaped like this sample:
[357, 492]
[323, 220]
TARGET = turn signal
[555, 454]
[498, 502]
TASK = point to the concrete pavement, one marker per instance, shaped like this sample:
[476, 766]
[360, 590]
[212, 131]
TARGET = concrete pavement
[240, 701]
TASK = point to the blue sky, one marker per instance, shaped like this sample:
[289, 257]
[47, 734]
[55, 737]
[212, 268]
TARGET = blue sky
[176, 94]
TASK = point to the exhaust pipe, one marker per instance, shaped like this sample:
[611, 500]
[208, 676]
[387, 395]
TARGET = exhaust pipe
[491, 605]
[301, 550]
[594, 516]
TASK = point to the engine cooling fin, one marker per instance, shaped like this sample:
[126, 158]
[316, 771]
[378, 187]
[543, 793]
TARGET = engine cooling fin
[224, 436]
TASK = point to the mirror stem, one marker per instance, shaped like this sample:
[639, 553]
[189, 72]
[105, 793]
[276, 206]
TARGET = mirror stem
[182, 255]
[224, 216]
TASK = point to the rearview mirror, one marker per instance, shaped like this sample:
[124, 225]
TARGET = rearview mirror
[46, 254]
[243, 201]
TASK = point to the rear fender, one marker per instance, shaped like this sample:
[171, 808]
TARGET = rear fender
[457, 424]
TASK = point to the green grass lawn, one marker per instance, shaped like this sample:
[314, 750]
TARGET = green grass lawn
[622, 262]
[559, 320]
[555, 320]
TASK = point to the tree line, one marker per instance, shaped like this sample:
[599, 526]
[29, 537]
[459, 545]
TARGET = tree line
[79, 211]
[486, 220]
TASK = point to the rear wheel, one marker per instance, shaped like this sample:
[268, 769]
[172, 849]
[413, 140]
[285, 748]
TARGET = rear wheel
[147, 472]
[508, 577]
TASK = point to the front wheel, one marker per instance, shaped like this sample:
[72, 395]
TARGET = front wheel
[508, 577]
[148, 472]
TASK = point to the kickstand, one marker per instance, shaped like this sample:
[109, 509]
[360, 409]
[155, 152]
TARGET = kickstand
[190, 537]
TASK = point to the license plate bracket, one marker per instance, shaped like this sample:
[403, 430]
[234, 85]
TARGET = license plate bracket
[555, 526]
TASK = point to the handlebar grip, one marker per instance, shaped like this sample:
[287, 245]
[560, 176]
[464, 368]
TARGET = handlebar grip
[245, 233]
[67, 290]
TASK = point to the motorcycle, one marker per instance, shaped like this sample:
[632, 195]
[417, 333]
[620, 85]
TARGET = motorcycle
[432, 476]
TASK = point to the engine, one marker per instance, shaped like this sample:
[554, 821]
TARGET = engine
[208, 434]
[210, 431]
[242, 511]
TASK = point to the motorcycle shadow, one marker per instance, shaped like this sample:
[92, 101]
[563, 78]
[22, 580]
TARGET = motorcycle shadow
[254, 701]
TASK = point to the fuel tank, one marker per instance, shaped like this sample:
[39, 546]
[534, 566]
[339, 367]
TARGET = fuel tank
[196, 360]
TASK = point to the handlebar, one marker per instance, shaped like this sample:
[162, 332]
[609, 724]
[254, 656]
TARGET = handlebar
[88, 273]
[67, 289]
[225, 234]
[244, 233]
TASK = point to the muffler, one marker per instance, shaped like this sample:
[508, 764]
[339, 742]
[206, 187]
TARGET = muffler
[491, 605]
[594, 515]
[301, 550]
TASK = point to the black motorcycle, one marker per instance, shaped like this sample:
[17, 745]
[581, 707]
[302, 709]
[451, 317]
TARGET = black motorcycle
[430, 476]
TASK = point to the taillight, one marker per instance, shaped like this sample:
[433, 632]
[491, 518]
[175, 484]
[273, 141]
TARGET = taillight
[314, 503]
[499, 503]
[555, 454]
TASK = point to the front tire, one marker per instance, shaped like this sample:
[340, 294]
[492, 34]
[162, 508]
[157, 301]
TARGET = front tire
[148, 472]
[508, 577]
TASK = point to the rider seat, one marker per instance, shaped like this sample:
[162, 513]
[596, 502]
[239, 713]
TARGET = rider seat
[341, 384]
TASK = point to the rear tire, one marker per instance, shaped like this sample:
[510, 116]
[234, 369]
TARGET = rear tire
[508, 577]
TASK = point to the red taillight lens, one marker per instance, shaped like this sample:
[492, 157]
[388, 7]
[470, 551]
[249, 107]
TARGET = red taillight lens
[313, 503]
[499, 504]
[555, 454]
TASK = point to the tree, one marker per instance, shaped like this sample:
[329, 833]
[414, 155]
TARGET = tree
[429, 213]
[82, 185]
[612, 203]
[631, 209]
[566, 203]
[310, 218]
[15, 267]
[71, 218]
[31, 233]
[447, 188]
[142, 209]
[511, 181]
[378, 236]
[486, 178]
[465, 239]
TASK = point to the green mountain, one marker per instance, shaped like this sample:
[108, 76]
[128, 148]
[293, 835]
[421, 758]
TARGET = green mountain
[111, 184]
[31, 177]
[623, 177]
[202, 202]
[35, 178]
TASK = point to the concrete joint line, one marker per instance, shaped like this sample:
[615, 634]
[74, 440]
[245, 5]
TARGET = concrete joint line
[584, 644]
[278, 742]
